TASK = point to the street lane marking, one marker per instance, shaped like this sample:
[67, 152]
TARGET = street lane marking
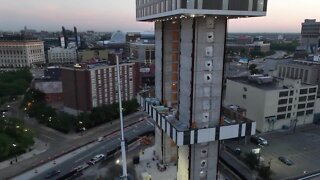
[83, 158]
[48, 137]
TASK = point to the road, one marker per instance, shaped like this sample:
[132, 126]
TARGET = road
[58, 143]
[73, 159]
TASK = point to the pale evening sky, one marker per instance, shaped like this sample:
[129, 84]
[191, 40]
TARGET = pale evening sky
[111, 15]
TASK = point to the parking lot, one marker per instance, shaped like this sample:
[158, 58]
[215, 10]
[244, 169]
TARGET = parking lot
[302, 147]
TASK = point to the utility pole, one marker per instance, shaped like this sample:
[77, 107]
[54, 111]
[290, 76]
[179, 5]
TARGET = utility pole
[123, 143]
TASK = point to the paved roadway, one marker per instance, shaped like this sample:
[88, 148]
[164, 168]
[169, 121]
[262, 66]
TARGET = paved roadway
[60, 143]
[73, 159]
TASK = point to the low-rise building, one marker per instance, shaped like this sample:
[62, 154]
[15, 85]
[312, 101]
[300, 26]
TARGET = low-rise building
[86, 86]
[259, 46]
[19, 51]
[307, 71]
[51, 88]
[142, 52]
[93, 55]
[273, 103]
[58, 55]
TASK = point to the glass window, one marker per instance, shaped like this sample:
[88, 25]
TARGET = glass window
[312, 90]
[288, 115]
[281, 116]
[310, 105]
[303, 91]
[291, 93]
[300, 113]
[313, 97]
[282, 109]
[301, 106]
[309, 111]
[303, 98]
[289, 108]
[283, 93]
[283, 101]
[290, 100]
[244, 96]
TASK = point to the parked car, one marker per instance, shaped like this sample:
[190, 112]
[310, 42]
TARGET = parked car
[286, 160]
[259, 140]
[52, 174]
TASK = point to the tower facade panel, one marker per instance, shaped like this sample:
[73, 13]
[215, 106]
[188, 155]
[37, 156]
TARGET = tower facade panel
[190, 47]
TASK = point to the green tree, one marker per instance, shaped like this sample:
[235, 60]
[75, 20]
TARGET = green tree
[251, 160]
[12, 131]
[253, 69]
[15, 82]
[265, 172]
[282, 46]
[252, 66]
[5, 143]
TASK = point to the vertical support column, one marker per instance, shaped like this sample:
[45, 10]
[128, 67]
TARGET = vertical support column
[250, 5]
[203, 43]
[225, 4]
[158, 59]
[200, 4]
[167, 149]
[159, 82]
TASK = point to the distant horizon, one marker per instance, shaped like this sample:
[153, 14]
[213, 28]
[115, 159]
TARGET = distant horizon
[80, 31]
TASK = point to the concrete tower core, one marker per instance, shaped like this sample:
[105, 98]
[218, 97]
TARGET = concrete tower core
[190, 45]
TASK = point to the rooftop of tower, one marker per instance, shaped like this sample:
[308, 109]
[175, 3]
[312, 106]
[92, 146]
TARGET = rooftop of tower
[151, 10]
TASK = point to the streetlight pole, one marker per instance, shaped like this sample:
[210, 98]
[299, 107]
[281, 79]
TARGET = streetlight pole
[270, 163]
[15, 152]
[295, 125]
[123, 143]
[81, 128]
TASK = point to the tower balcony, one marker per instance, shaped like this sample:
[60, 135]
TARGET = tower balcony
[182, 134]
[150, 10]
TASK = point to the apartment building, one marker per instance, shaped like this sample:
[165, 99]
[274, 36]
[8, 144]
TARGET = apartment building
[16, 52]
[273, 103]
[58, 55]
[86, 86]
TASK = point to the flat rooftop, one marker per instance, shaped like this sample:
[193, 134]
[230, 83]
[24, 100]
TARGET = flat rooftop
[96, 65]
[274, 84]
[18, 38]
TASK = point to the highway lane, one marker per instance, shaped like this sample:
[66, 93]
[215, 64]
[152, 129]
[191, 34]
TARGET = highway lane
[76, 158]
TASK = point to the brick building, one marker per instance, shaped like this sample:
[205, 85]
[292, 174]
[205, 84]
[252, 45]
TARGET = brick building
[86, 86]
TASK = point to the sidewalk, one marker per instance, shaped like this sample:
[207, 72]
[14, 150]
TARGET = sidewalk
[38, 148]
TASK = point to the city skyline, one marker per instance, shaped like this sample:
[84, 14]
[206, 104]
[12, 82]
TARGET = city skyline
[104, 15]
